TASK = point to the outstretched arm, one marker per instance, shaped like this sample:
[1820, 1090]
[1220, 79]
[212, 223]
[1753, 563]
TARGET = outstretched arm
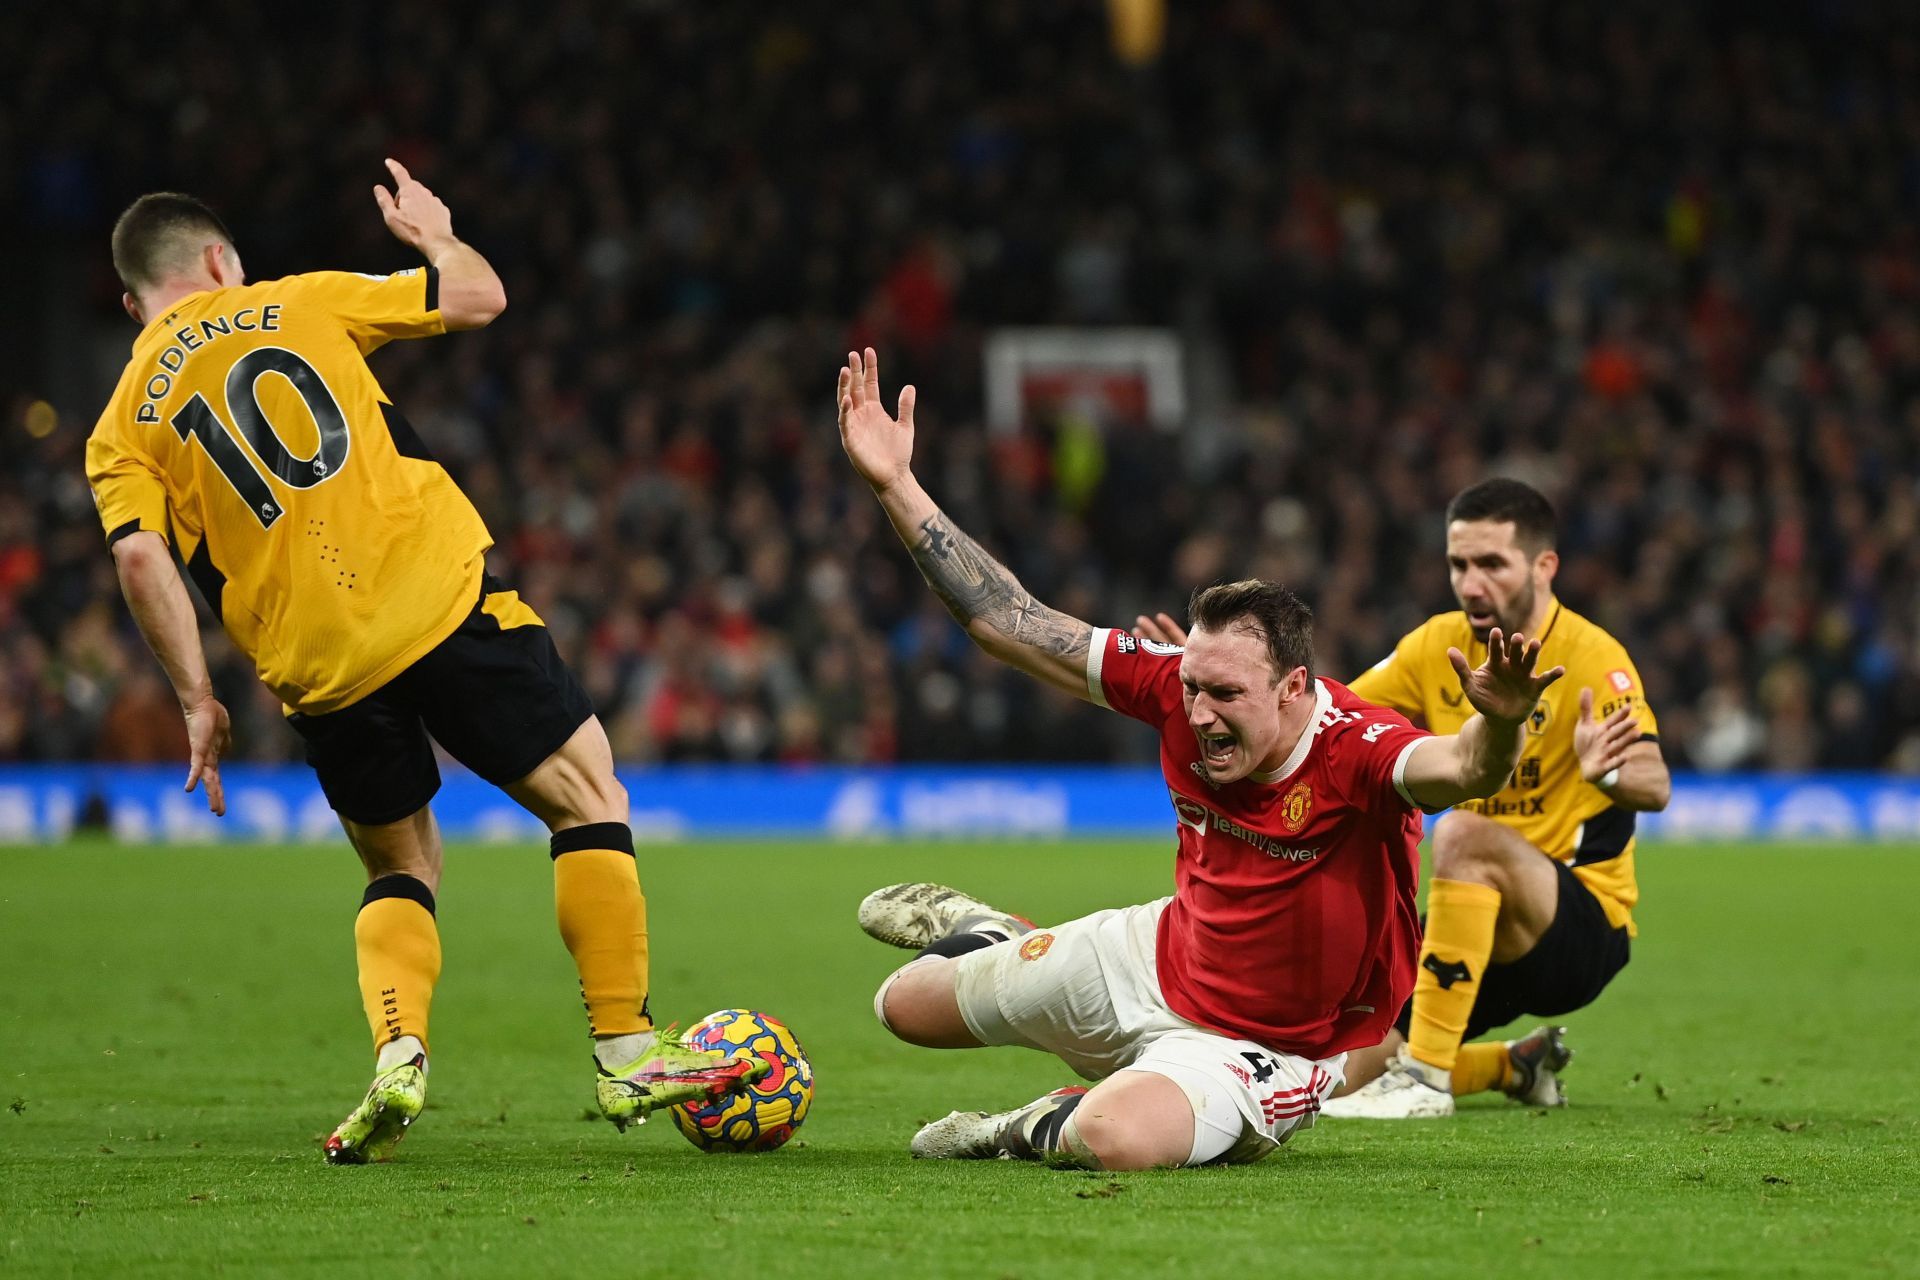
[165, 615]
[1000, 615]
[471, 294]
[1476, 762]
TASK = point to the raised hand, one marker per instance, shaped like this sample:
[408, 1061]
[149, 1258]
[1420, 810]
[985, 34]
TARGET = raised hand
[1602, 745]
[414, 214]
[1504, 687]
[880, 447]
[209, 733]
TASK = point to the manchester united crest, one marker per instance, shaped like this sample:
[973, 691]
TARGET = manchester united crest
[1036, 946]
[1296, 807]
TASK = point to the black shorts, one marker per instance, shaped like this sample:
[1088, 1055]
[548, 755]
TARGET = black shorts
[1567, 969]
[499, 700]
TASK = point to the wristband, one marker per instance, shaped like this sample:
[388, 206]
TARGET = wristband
[1608, 780]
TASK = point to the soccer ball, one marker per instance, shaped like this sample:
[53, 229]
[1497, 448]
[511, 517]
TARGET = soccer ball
[772, 1107]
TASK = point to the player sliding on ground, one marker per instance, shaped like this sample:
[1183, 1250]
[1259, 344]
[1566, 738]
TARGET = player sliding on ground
[1216, 1021]
[248, 433]
[1531, 906]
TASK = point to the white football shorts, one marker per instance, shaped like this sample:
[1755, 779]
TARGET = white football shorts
[1088, 992]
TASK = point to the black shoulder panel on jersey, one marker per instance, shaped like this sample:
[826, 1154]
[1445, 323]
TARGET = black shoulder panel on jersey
[405, 438]
[210, 580]
[433, 287]
[1604, 835]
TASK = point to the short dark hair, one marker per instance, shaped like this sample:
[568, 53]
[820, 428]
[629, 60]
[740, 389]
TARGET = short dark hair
[1507, 501]
[146, 238]
[1267, 609]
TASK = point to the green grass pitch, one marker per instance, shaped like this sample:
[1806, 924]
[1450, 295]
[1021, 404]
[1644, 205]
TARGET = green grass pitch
[179, 1028]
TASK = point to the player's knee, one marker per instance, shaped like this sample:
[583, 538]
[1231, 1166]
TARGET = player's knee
[900, 1009]
[1464, 847]
[889, 1010]
[909, 1020]
[1137, 1119]
[917, 1004]
[1121, 1143]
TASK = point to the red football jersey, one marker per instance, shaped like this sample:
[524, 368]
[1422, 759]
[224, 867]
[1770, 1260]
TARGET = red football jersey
[1293, 921]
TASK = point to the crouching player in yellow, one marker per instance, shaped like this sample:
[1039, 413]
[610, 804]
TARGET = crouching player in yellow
[249, 437]
[1530, 905]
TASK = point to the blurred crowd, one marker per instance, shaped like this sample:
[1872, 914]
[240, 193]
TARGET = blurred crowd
[1659, 259]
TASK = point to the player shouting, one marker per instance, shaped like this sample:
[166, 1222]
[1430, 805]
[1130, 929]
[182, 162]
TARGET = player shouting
[248, 435]
[1217, 1020]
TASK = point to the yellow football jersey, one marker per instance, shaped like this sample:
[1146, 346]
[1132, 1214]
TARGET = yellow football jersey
[1546, 800]
[248, 430]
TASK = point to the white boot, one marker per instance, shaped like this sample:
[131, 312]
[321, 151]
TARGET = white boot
[1407, 1090]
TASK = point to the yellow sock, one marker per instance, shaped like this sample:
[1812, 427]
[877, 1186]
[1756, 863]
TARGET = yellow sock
[398, 948]
[1480, 1067]
[603, 921]
[1460, 917]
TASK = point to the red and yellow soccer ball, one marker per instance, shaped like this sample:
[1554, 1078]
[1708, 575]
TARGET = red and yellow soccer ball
[765, 1116]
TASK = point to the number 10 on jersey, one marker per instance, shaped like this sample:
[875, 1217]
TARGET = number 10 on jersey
[197, 419]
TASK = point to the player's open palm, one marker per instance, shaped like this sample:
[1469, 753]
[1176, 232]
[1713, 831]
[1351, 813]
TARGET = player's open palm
[415, 215]
[1505, 686]
[881, 447]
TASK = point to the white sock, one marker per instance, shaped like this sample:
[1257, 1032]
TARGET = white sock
[395, 1052]
[614, 1052]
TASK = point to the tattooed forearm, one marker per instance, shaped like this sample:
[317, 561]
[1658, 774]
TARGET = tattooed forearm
[975, 586]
